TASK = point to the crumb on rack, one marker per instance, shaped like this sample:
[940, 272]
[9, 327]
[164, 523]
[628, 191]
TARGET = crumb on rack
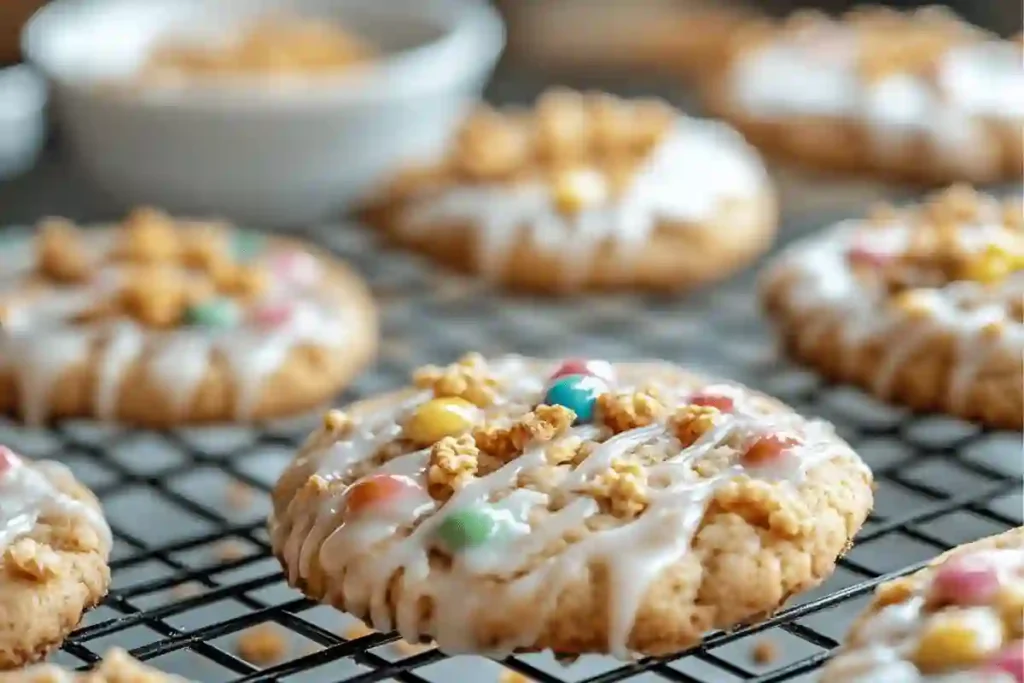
[509, 676]
[764, 651]
[357, 630]
[229, 550]
[407, 649]
[262, 645]
[186, 590]
[238, 495]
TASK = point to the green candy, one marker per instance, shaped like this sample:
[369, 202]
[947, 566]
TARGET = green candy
[215, 313]
[468, 528]
[248, 245]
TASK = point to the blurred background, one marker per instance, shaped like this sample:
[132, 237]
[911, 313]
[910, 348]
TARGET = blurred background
[624, 46]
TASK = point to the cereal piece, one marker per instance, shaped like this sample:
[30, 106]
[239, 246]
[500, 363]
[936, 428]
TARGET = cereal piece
[467, 379]
[29, 559]
[509, 676]
[764, 652]
[407, 649]
[337, 423]
[240, 280]
[562, 127]
[622, 489]
[60, 254]
[156, 297]
[622, 412]
[611, 126]
[262, 645]
[575, 190]
[759, 503]
[690, 422]
[490, 146]
[230, 550]
[544, 423]
[149, 236]
[205, 248]
[453, 463]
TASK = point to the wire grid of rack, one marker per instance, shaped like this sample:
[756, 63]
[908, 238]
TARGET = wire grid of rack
[191, 565]
[192, 569]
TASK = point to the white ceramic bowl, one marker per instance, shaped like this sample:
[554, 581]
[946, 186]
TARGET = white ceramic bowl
[22, 119]
[281, 155]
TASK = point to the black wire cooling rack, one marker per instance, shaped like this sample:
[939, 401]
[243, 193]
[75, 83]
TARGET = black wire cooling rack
[192, 572]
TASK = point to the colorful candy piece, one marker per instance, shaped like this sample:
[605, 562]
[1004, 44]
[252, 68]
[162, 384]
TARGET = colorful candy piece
[295, 267]
[246, 246]
[868, 257]
[1010, 604]
[440, 417]
[218, 312]
[966, 580]
[8, 459]
[375, 491]
[578, 393]
[954, 642]
[767, 449]
[468, 528]
[272, 316]
[580, 366]
[1010, 661]
[723, 403]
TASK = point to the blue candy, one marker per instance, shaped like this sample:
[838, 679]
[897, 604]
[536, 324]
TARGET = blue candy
[578, 393]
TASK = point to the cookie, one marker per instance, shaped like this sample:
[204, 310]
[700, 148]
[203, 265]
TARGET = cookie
[517, 505]
[922, 306]
[54, 545]
[919, 96]
[961, 619]
[586, 192]
[117, 667]
[160, 322]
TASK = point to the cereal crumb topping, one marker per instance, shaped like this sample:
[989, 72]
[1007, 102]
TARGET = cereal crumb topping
[453, 463]
[542, 424]
[622, 412]
[60, 254]
[690, 422]
[622, 489]
[337, 423]
[28, 559]
[467, 379]
[759, 503]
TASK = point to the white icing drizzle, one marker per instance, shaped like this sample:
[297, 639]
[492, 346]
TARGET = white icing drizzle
[826, 285]
[889, 637]
[634, 553]
[40, 343]
[815, 74]
[27, 493]
[689, 175]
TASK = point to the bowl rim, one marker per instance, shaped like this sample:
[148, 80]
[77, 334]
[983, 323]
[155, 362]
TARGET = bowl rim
[470, 44]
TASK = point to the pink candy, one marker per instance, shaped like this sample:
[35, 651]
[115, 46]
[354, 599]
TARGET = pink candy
[8, 459]
[295, 267]
[865, 256]
[965, 580]
[1010, 661]
[580, 366]
[722, 403]
[272, 316]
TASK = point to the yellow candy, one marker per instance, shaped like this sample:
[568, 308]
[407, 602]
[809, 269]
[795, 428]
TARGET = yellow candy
[992, 266]
[439, 418]
[1010, 603]
[950, 642]
[574, 191]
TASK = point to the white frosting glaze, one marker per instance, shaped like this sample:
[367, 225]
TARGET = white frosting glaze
[27, 493]
[700, 165]
[890, 637]
[40, 342]
[827, 285]
[634, 553]
[815, 74]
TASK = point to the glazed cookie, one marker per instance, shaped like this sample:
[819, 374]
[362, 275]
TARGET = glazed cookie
[116, 667]
[962, 619]
[161, 322]
[518, 505]
[54, 544]
[587, 191]
[918, 96]
[922, 306]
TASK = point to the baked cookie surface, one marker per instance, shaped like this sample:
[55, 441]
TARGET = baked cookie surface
[518, 505]
[919, 96]
[117, 667]
[960, 620]
[54, 545]
[922, 306]
[586, 192]
[161, 322]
